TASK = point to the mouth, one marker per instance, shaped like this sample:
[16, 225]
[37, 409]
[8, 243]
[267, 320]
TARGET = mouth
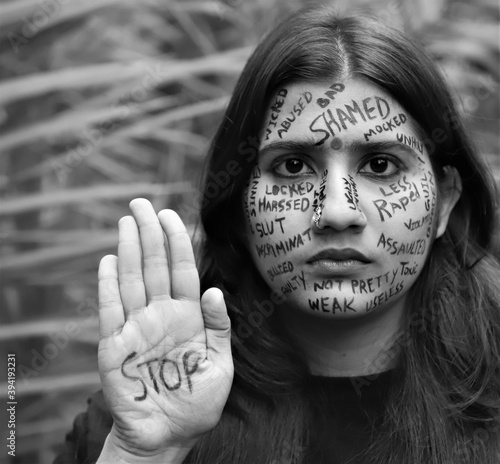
[334, 261]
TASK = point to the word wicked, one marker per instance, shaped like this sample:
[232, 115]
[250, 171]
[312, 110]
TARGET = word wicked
[163, 372]
[278, 103]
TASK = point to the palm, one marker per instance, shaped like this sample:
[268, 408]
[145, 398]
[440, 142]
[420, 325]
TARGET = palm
[165, 365]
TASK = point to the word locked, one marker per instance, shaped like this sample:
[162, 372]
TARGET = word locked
[163, 371]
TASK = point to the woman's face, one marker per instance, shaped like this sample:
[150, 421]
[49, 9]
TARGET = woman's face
[342, 206]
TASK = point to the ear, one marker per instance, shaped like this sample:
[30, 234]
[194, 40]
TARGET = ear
[450, 189]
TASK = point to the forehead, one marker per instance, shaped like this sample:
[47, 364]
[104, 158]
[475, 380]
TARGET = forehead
[322, 110]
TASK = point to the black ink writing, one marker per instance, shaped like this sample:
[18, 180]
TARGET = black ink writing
[331, 304]
[412, 225]
[161, 372]
[411, 141]
[408, 270]
[284, 268]
[279, 101]
[330, 93]
[384, 296]
[416, 247]
[388, 209]
[278, 206]
[290, 190]
[332, 122]
[387, 126]
[351, 192]
[266, 228]
[371, 284]
[294, 283]
[297, 109]
[328, 284]
[284, 246]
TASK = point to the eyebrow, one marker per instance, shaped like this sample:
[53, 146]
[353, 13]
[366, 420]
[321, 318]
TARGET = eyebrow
[309, 145]
[300, 145]
[384, 145]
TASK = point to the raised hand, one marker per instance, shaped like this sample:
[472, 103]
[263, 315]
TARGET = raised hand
[164, 356]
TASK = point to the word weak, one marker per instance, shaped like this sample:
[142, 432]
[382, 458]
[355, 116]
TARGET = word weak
[163, 372]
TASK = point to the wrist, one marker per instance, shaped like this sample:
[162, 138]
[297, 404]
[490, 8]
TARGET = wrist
[115, 452]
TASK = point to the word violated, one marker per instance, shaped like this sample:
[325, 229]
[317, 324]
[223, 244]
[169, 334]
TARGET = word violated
[164, 373]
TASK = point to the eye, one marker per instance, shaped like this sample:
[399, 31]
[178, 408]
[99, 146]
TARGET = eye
[291, 167]
[382, 166]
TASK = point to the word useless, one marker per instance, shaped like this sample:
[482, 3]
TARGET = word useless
[164, 373]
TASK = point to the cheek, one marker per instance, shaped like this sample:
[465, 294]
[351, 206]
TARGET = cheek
[404, 217]
[278, 218]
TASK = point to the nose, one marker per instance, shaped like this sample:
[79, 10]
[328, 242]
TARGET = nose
[339, 204]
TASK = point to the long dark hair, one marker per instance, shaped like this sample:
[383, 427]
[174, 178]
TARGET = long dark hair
[448, 388]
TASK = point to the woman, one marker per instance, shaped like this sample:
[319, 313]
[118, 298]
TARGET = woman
[348, 222]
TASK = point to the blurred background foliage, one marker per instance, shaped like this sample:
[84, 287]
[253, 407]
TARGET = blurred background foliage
[102, 101]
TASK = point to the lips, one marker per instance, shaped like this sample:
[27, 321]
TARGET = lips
[343, 254]
[338, 262]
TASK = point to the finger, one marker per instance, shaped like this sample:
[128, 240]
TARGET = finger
[130, 266]
[111, 316]
[154, 255]
[185, 282]
[217, 322]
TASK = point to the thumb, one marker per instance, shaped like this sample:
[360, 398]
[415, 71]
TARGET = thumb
[217, 322]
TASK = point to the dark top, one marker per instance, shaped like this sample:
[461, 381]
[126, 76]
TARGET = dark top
[345, 413]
